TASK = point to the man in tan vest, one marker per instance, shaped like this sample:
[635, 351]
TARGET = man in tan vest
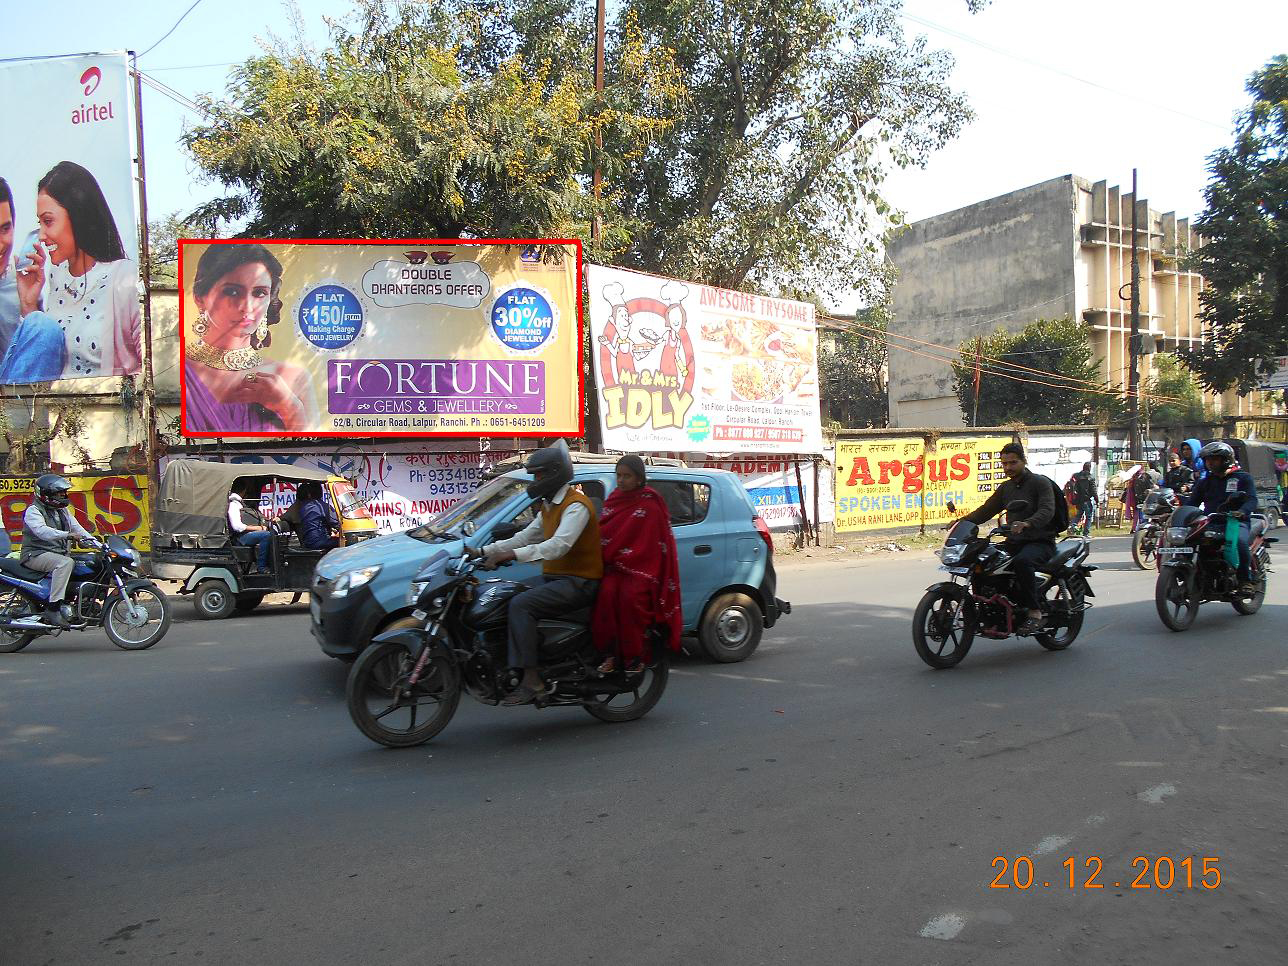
[565, 538]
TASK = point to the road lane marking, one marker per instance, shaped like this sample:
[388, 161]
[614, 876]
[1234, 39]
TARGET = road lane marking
[1155, 794]
[947, 926]
[1051, 843]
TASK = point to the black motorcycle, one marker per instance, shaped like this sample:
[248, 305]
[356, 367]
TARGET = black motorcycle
[405, 687]
[1145, 541]
[979, 597]
[1193, 569]
[105, 591]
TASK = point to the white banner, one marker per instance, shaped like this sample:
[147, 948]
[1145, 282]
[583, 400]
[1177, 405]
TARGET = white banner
[67, 161]
[683, 366]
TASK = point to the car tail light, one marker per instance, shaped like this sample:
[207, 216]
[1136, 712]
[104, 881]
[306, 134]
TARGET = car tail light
[763, 530]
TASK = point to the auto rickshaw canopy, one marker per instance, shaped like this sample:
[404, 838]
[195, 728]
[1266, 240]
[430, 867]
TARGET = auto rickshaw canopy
[194, 493]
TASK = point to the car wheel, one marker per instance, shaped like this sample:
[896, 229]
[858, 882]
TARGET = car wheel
[731, 628]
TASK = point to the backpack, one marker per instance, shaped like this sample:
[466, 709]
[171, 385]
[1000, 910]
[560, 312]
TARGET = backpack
[1143, 483]
[1060, 519]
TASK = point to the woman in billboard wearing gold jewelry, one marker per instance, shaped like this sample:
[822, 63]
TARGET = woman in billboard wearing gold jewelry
[230, 388]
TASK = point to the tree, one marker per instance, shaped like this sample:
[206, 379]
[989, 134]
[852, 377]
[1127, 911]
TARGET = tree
[1010, 392]
[1244, 260]
[1173, 397]
[163, 246]
[417, 122]
[852, 373]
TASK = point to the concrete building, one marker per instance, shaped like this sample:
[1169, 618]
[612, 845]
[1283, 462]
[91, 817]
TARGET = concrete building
[1058, 248]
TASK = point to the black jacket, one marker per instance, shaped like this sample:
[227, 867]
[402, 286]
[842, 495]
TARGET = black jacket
[1212, 491]
[1035, 490]
[1178, 478]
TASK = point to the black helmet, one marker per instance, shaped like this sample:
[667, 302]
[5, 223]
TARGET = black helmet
[551, 468]
[1218, 449]
[52, 490]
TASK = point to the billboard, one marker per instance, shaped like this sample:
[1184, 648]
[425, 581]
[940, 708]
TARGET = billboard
[380, 338]
[885, 483]
[101, 504]
[683, 366]
[70, 308]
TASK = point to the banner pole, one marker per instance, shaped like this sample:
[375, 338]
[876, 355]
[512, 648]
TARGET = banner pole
[145, 260]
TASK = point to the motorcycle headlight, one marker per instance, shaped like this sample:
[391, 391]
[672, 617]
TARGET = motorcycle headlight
[1177, 534]
[353, 580]
[952, 554]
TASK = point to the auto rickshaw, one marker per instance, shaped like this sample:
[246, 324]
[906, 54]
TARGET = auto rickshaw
[193, 544]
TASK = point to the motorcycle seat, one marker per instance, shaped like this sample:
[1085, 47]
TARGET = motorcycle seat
[1066, 550]
[1258, 526]
[14, 567]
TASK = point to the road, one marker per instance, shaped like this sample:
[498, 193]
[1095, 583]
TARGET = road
[832, 800]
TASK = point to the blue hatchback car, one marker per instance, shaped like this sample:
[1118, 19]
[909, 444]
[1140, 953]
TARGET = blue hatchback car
[727, 578]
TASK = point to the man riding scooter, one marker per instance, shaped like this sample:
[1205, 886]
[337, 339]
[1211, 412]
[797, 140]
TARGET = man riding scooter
[565, 538]
[1228, 489]
[47, 531]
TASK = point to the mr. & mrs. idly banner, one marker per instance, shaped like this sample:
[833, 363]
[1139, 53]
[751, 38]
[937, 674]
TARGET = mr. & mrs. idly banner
[683, 367]
[369, 338]
[69, 308]
[899, 482]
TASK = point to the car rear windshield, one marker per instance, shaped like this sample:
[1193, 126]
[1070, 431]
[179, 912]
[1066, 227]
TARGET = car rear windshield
[478, 506]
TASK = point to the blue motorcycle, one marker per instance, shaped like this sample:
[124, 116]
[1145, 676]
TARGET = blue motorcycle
[105, 591]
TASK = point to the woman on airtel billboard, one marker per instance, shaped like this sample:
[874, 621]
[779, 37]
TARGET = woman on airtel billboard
[229, 387]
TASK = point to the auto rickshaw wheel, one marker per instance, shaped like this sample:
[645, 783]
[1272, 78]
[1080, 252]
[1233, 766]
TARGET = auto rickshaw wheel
[214, 600]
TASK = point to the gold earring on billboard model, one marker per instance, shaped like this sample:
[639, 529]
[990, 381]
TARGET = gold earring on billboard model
[202, 324]
[261, 332]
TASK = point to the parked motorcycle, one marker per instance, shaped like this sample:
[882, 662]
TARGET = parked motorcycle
[105, 591]
[1144, 542]
[979, 599]
[405, 687]
[1193, 569]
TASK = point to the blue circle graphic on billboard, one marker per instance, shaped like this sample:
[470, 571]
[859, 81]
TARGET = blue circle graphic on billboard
[330, 316]
[522, 318]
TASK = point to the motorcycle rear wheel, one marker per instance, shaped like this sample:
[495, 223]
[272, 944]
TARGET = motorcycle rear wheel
[376, 709]
[942, 612]
[1176, 607]
[14, 607]
[647, 692]
[1144, 548]
[1249, 606]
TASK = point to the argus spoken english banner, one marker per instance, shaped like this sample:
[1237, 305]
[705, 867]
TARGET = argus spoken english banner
[364, 338]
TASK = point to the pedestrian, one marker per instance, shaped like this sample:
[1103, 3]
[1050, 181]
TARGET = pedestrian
[1084, 499]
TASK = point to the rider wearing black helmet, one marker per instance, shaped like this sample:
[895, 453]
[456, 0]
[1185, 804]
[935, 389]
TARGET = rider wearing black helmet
[1228, 489]
[48, 527]
[565, 538]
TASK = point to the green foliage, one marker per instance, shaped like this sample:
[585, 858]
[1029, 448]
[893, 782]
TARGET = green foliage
[163, 246]
[1059, 346]
[1245, 225]
[1173, 396]
[852, 374]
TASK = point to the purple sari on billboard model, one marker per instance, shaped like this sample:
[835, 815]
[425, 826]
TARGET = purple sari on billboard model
[206, 414]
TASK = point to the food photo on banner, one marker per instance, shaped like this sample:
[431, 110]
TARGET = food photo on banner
[69, 276]
[892, 482]
[683, 366]
[370, 338]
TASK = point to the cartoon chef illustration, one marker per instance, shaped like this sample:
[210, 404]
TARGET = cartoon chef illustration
[616, 351]
[677, 350]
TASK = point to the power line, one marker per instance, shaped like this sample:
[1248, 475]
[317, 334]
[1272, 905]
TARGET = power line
[167, 91]
[172, 29]
[1063, 73]
[227, 63]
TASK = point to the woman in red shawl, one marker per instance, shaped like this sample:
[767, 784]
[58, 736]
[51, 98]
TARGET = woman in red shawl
[641, 585]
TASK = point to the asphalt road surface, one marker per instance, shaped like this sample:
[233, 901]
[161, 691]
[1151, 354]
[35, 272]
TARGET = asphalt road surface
[831, 800]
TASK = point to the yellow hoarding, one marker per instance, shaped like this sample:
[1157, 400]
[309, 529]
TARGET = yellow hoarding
[101, 504]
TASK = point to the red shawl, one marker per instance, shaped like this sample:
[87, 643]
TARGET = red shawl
[635, 531]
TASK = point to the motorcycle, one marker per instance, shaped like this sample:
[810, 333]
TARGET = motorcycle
[1192, 568]
[978, 598]
[460, 645]
[1144, 542]
[105, 590]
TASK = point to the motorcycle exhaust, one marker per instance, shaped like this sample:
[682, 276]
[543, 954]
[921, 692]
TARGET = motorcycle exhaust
[26, 624]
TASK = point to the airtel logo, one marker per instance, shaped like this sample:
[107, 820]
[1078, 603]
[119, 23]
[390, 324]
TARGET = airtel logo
[90, 80]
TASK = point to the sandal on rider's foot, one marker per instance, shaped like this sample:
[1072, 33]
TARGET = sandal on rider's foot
[523, 695]
[1031, 625]
[636, 668]
[1249, 589]
[609, 666]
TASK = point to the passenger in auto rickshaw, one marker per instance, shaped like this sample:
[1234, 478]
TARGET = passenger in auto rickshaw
[249, 529]
[312, 518]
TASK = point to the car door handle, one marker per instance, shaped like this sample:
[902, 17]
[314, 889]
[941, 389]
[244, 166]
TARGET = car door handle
[702, 549]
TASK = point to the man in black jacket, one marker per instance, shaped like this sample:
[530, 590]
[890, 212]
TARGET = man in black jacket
[1178, 476]
[1084, 499]
[1031, 542]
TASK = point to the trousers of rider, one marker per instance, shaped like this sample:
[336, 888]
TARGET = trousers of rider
[60, 566]
[622, 616]
[554, 597]
[261, 540]
[1025, 559]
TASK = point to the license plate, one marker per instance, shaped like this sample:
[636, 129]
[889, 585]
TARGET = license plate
[954, 570]
[315, 610]
[1181, 550]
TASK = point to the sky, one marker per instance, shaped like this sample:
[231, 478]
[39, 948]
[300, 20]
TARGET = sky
[1093, 88]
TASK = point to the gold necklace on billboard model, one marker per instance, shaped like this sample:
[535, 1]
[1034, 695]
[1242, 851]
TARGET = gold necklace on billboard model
[234, 360]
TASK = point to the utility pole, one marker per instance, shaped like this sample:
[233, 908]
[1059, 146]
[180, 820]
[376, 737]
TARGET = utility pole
[150, 454]
[592, 436]
[1133, 378]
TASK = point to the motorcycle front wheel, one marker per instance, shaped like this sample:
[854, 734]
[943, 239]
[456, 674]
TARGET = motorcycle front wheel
[138, 620]
[942, 630]
[382, 709]
[646, 691]
[1144, 548]
[1176, 606]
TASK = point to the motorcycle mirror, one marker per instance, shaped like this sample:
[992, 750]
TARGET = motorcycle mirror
[469, 527]
[952, 507]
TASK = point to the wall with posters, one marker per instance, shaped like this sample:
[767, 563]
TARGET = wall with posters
[102, 504]
[891, 482]
[685, 367]
[372, 338]
[67, 160]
